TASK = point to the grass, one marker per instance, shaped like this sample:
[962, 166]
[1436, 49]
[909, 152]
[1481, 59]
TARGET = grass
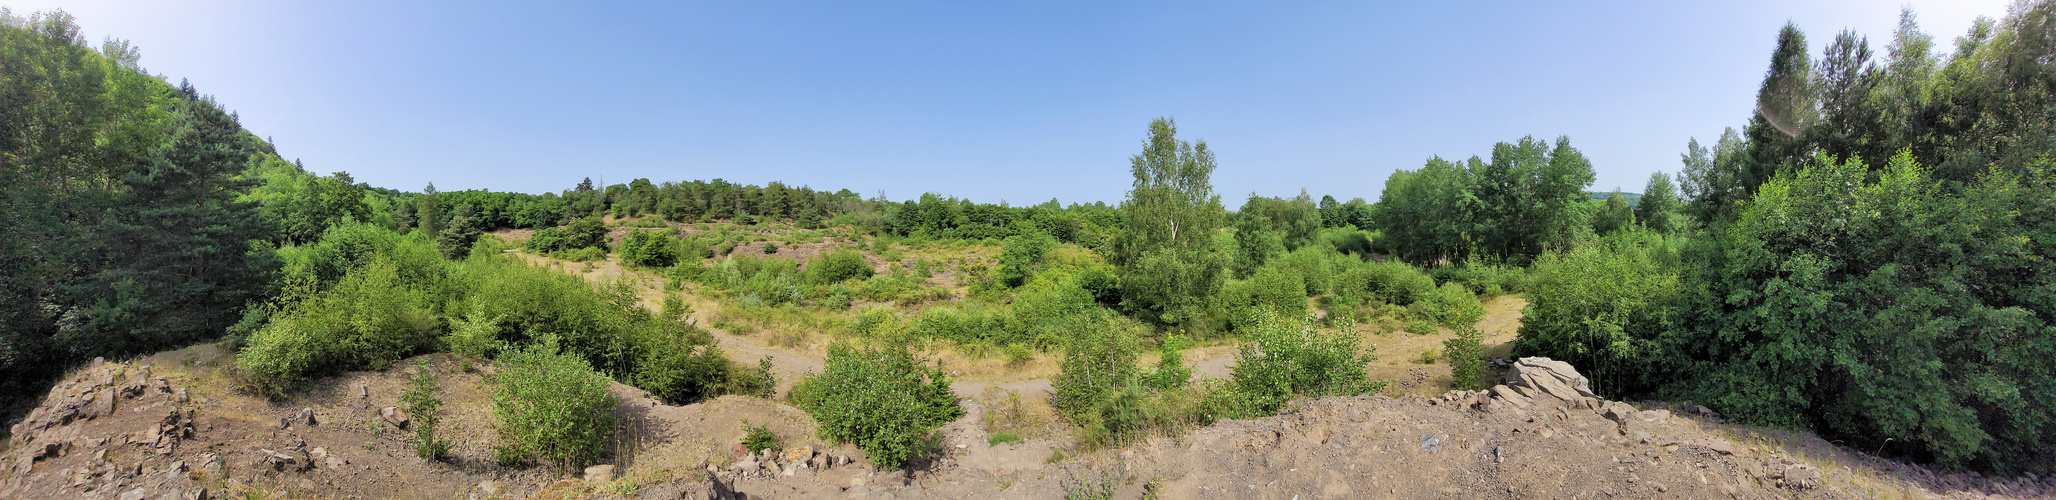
[1004, 438]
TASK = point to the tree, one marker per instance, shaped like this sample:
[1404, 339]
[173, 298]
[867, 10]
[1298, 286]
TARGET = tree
[1170, 218]
[455, 241]
[1613, 215]
[430, 214]
[1659, 205]
[1785, 106]
[1429, 215]
[1255, 242]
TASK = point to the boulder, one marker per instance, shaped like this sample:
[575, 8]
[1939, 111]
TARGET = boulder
[304, 417]
[799, 455]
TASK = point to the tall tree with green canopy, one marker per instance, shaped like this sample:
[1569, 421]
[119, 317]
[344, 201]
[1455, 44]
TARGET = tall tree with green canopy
[1658, 209]
[1165, 250]
[1786, 105]
[430, 213]
[1529, 197]
[1614, 215]
[1430, 215]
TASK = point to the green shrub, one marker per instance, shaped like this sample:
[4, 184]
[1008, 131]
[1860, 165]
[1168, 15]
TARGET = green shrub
[546, 240]
[1004, 438]
[1393, 282]
[552, 407]
[1018, 354]
[1482, 278]
[678, 364]
[1450, 305]
[588, 232]
[770, 248]
[369, 319]
[1276, 288]
[649, 249]
[426, 411]
[1171, 372]
[1098, 359]
[883, 400]
[1022, 256]
[1466, 354]
[758, 438]
[475, 335]
[838, 266]
[1600, 309]
[1428, 357]
[1286, 357]
[585, 254]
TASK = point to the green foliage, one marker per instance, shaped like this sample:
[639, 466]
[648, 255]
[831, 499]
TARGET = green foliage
[1098, 359]
[1876, 304]
[1392, 282]
[838, 266]
[1466, 352]
[757, 438]
[552, 407]
[1600, 307]
[1658, 208]
[1255, 243]
[1613, 215]
[1429, 357]
[1171, 371]
[459, 234]
[1285, 357]
[587, 232]
[883, 400]
[1429, 215]
[475, 335]
[1450, 305]
[1276, 288]
[1482, 278]
[650, 249]
[1166, 252]
[123, 230]
[1004, 438]
[370, 318]
[1023, 256]
[426, 412]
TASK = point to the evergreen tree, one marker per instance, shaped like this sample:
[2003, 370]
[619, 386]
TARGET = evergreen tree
[430, 213]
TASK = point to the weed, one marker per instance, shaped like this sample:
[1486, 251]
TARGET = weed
[1003, 438]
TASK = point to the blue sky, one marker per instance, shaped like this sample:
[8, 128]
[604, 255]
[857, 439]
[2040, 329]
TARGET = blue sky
[1014, 101]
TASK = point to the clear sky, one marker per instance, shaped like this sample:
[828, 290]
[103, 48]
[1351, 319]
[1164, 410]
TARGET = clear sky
[1014, 101]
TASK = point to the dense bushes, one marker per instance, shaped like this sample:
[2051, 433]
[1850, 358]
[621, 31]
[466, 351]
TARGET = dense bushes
[363, 297]
[1601, 307]
[838, 266]
[650, 249]
[552, 408]
[883, 400]
[1286, 357]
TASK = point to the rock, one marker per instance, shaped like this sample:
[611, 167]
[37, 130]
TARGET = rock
[182, 398]
[305, 416]
[896, 478]
[799, 455]
[1507, 394]
[599, 474]
[318, 453]
[1800, 477]
[336, 462]
[1719, 445]
[1431, 443]
[278, 461]
[738, 450]
[491, 487]
[363, 391]
[1618, 412]
[1498, 454]
[842, 460]
[856, 482]
[1564, 373]
[1653, 415]
[393, 415]
[135, 494]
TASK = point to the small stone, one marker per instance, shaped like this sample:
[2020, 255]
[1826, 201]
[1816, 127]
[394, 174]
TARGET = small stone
[182, 398]
[393, 415]
[599, 473]
[318, 453]
[135, 494]
[1431, 443]
[364, 391]
[491, 487]
[306, 416]
[336, 462]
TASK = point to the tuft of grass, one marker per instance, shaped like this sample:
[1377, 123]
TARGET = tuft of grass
[1003, 438]
[1428, 357]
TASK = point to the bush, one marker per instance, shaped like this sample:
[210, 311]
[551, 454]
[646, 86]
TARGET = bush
[1022, 256]
[649, 249]
[1484, 279]
[1600, 309]
[1393, 282]
[679, 364]
[552, 408]
[1286, 357]
[1466, 354]
[1171, 372]
[588, 232]
[1098, 359]
[1451, 305]
[838, 266]
[882, 400]
[426, 410]
[758, 438]
[1276, 288]
[369, 319]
